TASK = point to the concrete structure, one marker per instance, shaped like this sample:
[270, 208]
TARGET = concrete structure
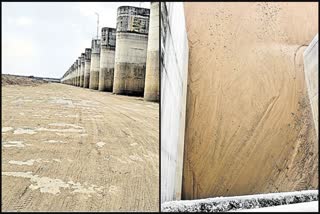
[311, 70]
[174, 75]
[82, 58]
[95, 64]
[78, 69]
[87, 65]
[75, 72]
[107, 53]
[151, 89]
[131, 50]
[236, 203]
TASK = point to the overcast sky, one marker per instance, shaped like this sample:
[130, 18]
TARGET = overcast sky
[45, 38]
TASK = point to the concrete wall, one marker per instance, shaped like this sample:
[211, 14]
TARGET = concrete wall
[82, 70]
[75, 72]
[249, 125]
[311, 70]
[131, 50]
[87, 65]
[174, 73]
[95, 64]
[151, 89]
[78, 71]
[107, 54]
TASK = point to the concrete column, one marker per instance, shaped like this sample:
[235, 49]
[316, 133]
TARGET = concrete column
[151, 88]
[74, 73]
[78, 71]
[311, 70]
[95, 64]
[70, 75]
[87, 64]
[108, 43]
[82, 69]
[131, 50]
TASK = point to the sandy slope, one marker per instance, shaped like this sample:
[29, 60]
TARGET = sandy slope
[72, 149]
[249, 127]
[7, 79]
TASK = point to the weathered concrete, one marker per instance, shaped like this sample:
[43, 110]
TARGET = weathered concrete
[311, 70]
[131, 50]
[174, 74]
[78, 71]
[224, 204]
[107, 53]
[74, 72]
[87, 65]
[80, 150]
[151, 89]
[95, 64]
[82, 69]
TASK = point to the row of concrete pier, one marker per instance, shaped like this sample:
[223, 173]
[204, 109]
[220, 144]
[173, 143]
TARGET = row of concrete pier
[126, 59]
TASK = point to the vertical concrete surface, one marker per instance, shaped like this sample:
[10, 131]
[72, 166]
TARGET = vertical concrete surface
[311, 70]
[108, 43]
[131, 50]
[70, 75]
[74, 72]
[82, 69]
[79, 71]
[151, 88]
[95, 64]
[174, 74]
[87, 65]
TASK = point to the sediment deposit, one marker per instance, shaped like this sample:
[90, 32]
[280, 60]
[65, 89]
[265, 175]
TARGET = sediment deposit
[249, 127]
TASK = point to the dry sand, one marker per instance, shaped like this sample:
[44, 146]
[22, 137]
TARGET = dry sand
[71, 149]
[7, 79]
[249, 128]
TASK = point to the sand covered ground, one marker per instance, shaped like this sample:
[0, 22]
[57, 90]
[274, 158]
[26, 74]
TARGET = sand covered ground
[249, 127]
[72, 149]
[7, 79]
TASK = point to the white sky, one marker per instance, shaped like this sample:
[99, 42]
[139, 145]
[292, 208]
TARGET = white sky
[44, 38]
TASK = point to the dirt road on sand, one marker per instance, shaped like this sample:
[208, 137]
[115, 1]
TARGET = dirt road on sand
[72, 149]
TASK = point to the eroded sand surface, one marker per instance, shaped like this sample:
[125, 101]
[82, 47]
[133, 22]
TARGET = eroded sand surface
[248, 126]
[71, 149]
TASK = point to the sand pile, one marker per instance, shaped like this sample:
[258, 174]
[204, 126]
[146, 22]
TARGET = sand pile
[249, 128]
[8, 79]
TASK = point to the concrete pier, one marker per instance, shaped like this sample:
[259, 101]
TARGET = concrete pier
[74, 72]
[107, 53]
[82, 69]
[95, 64]
[87, 64]
[79, 71]
[151, 89]
[131, 50]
